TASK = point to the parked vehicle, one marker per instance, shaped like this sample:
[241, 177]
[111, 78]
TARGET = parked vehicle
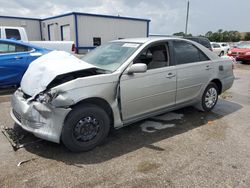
[241, 52]
[15, 57]
[19, 33]
[225, 47]
[62, 98]
[217, 49]
[201, 40]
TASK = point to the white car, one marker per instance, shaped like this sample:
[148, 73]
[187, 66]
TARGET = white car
[220, 48]
[225, 47]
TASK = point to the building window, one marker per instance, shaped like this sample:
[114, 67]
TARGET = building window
[97, 41]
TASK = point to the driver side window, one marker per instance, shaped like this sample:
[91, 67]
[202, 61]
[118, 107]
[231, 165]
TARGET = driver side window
[155, 56]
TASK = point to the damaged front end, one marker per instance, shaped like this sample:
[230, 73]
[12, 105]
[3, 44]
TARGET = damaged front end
[38, 116]
[44, 99]
[44, 113]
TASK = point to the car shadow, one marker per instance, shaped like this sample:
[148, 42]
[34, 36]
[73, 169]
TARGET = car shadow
[7, 90]
[131, 138]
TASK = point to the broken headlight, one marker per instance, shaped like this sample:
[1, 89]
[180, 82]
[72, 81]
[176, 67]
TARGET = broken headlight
[46, 97]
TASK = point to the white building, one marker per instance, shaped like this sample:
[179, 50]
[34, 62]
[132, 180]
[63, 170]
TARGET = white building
[31, 25]
[87, 30]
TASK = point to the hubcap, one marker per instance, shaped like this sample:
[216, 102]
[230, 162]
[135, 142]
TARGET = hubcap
[211, 97]
[86, 129]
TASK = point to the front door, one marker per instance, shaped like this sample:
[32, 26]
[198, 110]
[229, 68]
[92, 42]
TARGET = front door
[143, 93]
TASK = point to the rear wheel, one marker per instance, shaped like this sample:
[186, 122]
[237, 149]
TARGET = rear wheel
[221, 54]
[85, 127]
[209, 97]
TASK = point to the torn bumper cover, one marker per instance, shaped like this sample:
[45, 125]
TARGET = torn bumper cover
[43, 120]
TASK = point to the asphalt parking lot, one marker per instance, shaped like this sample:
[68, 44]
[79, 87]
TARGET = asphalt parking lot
[184, 148]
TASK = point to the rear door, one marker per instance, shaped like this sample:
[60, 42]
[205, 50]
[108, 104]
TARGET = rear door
[193, 71]
[13, 63]
[143, 93]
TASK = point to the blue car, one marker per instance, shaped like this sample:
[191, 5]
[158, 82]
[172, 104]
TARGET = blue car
[15, 57]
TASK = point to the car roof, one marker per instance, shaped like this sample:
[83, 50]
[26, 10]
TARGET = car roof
[147, 39]
[199, 37]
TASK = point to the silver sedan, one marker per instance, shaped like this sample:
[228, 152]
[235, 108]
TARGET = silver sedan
[62, 98]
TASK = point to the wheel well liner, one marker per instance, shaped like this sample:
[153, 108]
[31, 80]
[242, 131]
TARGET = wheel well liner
[219, 84]
[102, 103]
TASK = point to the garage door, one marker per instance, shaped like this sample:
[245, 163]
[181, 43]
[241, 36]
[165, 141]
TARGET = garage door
[52, 32]
[65, 32]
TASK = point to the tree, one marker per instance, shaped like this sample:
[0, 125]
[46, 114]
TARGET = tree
[182, 34]
[223, 36]
[209, 34]
[247, 36]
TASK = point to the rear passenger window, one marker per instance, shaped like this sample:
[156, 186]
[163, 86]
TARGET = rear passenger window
[205, 43]
[20, 48]
[6, 48]
[203, 57]
[216, 45]
[187, 53]
[11, 48]
[13, 34]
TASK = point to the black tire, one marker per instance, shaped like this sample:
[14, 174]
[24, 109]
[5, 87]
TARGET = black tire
[204, 103]
[245, 62]
[85, 119]
[221, 54]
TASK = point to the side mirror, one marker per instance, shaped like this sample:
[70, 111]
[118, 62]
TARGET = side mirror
[137, 68]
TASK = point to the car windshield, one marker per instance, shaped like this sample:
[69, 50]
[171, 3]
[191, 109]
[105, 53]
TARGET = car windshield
[111, 55]
[244, 45]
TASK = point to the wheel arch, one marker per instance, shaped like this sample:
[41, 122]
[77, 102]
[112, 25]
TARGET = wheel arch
[100, 102]
[218, 84]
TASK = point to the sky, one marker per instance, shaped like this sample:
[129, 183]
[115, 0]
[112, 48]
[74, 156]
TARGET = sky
[167, 16]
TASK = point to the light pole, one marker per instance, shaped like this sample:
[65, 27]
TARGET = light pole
[187, 19]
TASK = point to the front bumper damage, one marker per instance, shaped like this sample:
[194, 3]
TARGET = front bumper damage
[43, 120]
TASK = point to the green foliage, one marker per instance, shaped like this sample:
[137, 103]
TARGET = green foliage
[182, 34]
[247, 36]
[220, 36]
[223, 36]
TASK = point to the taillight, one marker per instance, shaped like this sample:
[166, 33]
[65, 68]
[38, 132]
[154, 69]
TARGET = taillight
[73, 48]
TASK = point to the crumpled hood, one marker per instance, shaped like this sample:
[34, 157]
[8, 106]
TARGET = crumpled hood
[44, 70]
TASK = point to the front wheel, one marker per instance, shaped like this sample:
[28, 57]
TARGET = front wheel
[209, 97]
[85, 127]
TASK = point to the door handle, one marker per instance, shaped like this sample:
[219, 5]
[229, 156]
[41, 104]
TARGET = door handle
[18, 57]
[170, 75]
[208, 67]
